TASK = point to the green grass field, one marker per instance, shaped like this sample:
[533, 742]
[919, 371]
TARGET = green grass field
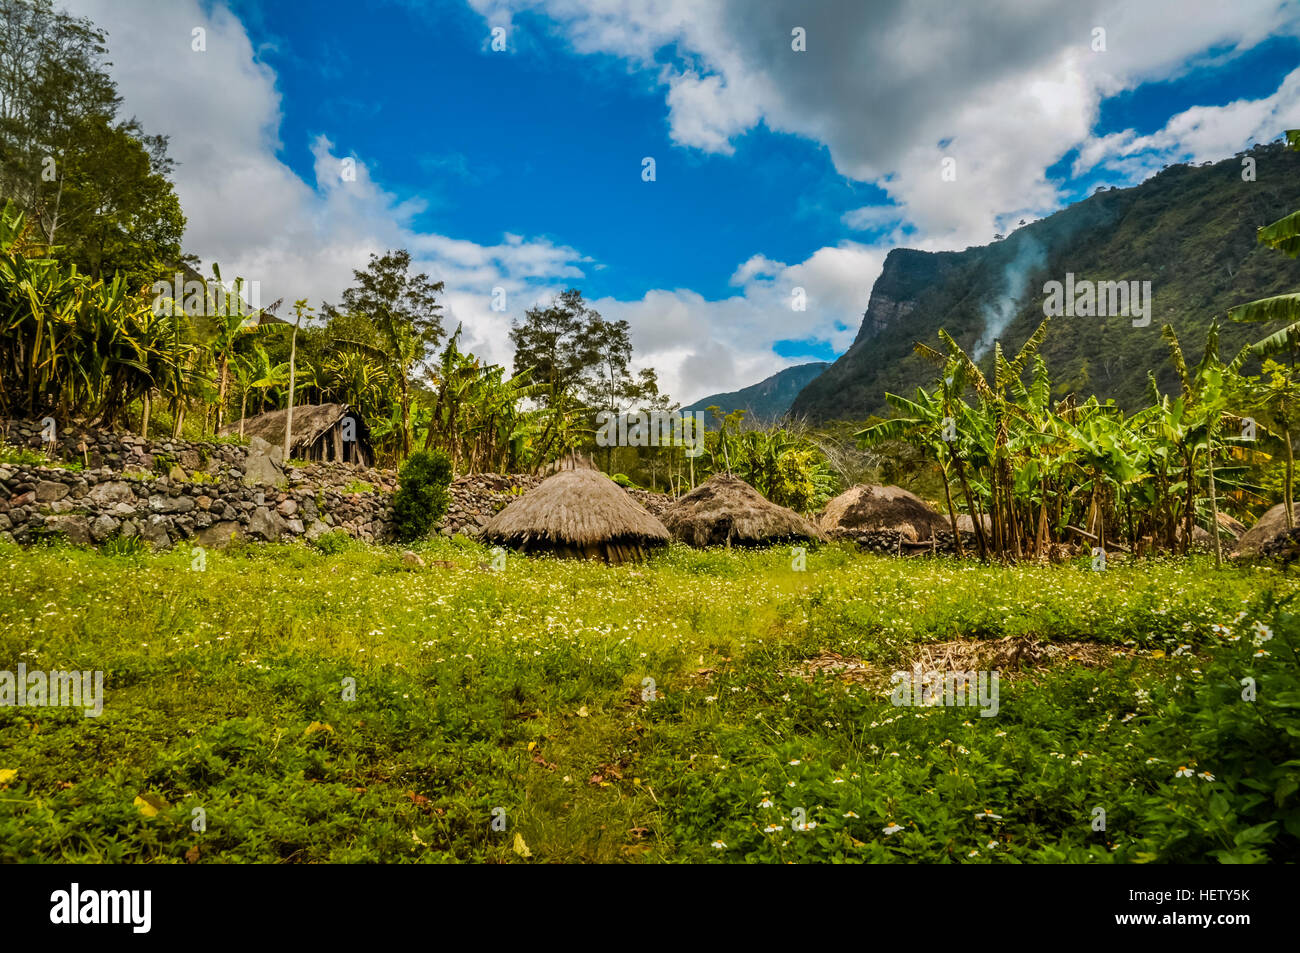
[561, 711]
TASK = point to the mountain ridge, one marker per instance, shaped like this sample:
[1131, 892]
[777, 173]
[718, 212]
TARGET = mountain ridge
[770, 398]
[1189, 230]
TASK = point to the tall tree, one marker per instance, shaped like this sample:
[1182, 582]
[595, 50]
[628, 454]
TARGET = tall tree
[557, 343]
[97, 186]
[406, 316]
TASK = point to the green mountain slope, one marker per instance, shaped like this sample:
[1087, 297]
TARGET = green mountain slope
[767, 400]
[1190, 231]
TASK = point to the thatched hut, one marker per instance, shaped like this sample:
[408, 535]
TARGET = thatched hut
[580, 513]
[329, 432]
[1270, 525]
[726, 510]
[867, 508]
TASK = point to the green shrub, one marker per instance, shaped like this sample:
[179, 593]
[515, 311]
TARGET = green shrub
[421, 498]
[1237, 727]
[335, 541]
[623, 480]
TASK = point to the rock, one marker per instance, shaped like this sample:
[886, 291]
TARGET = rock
[75, 528]
[266, 524]
[22, 499]
[189, 459]
[262, 464]
[412, 559]
[177, 504]
[49, 492]
[176, 474]
[219, 535]
[103, 527]
[154, 532]
[114, 491]
[316, 530]
[287, 508]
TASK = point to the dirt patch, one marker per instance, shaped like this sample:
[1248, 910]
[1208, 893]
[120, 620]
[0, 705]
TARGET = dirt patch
[832, 663]
[1010, 656]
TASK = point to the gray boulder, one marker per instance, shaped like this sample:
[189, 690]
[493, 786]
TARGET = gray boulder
[48, 491]
[113, 491]
[219, 535]
[266, 524]
[75, 528]
[263, 464]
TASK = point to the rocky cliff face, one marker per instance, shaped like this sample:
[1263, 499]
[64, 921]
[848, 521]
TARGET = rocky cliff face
[1190, 231]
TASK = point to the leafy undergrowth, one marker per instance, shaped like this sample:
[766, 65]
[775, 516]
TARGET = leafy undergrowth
[561, 711]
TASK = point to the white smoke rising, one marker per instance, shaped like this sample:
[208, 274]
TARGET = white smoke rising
[1000, 312]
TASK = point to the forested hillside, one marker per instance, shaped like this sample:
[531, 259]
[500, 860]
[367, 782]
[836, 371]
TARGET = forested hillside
[1189, 231]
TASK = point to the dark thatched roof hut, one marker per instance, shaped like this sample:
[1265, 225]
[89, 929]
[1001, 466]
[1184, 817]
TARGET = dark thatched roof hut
[867, 508]
[330, 432]
[726, 510]
[580, 513]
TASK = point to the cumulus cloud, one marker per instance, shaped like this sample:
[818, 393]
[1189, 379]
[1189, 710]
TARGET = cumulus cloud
[891, 88]
[251, 213]
[1009, 87]
[1199, 134]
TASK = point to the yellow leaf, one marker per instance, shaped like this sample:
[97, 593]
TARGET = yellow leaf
[7, 775]
[316, 726]
[532, 745]
[520, 847]
[150, 804]
[582, 712]
[1158, 653]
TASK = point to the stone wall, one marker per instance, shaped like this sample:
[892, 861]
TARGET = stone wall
[91, 506]
[168, 491]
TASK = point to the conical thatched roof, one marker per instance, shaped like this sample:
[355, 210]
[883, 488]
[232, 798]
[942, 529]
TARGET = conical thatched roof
[725, 510]
[867, 508]
[1271, 524]
[577, 513]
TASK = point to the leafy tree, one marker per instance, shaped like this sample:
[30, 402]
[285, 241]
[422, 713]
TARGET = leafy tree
[406, 318]
[96, 186]
[558, 344]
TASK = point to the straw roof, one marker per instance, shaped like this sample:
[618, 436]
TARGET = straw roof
[725, 510]
[310, 421]
[1271, 524]
[577, 513]
[868, 508]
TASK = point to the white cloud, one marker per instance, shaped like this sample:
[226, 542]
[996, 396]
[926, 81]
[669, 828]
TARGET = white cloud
[1008, 87]
[1199, 134]
[251, 213]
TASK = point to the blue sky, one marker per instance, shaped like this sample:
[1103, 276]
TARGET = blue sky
[776, 169]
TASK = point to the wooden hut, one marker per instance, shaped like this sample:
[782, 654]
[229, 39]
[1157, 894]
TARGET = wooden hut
[319, 432]
[580, 513]
[725, 510]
